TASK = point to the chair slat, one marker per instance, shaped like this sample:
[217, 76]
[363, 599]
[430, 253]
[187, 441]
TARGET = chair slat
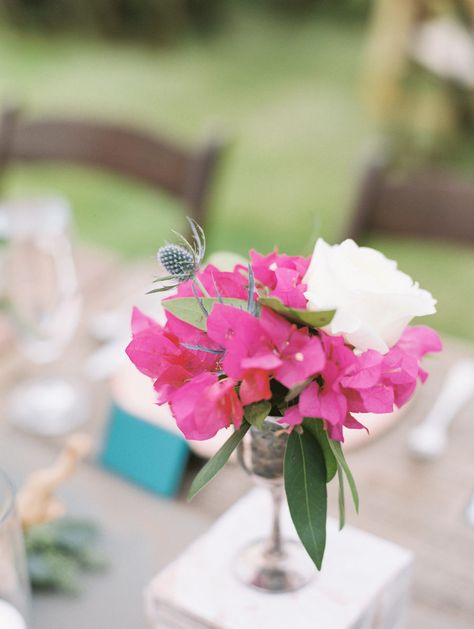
[430, 204]
[147, 158]
[113, 148]
[427, 206]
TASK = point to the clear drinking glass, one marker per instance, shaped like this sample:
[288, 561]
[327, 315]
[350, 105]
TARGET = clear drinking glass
[274, 564]
[43, 300]
[14, 583]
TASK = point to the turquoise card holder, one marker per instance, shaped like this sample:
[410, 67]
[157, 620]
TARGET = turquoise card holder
[144, 453]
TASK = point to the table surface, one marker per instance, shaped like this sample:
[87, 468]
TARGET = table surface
[419, 505]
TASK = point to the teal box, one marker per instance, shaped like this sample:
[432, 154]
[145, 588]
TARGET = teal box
[144, 453]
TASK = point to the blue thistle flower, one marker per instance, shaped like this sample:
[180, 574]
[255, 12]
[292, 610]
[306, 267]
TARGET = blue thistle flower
[178, 261]
[182, 261]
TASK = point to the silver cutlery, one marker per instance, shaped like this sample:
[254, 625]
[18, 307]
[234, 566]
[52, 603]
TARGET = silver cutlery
[429, 439]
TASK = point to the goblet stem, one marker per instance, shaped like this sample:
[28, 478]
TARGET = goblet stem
[275, 548]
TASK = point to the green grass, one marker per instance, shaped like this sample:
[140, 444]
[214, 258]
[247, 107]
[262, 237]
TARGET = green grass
[286, 98]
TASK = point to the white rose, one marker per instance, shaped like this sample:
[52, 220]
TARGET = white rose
[374, 301]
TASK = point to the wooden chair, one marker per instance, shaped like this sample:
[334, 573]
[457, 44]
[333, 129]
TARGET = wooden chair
[184, 174]
[430, 204]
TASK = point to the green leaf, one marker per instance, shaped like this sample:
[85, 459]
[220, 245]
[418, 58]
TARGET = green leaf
[188, 309]
[316, 428]
[256, 413]
[338, 453]
[342, 499]
[312, 318]
[305, 486]
[221, 457]
[163, 289]
[53, 571]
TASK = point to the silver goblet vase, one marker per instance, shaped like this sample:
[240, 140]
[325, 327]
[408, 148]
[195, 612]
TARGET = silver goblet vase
[274, 564]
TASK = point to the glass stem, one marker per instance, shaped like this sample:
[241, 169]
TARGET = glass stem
[275, 545]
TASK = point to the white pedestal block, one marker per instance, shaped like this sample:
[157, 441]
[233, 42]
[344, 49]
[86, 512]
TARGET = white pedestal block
[364, 583]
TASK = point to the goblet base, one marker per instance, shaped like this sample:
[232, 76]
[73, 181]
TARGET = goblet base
[274, 572]
[48, 406]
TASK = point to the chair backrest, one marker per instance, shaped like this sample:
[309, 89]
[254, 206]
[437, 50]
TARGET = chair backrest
[430, 204]
[147, 158]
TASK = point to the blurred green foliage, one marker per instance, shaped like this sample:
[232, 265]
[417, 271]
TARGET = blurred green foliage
[158, 21]
[286, 97]
[59, 552]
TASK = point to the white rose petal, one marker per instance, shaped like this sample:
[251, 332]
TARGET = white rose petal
[374, 301]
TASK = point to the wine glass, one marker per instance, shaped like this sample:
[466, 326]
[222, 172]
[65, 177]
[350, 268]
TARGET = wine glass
[274, 564]
[43, 301]
[14, 583]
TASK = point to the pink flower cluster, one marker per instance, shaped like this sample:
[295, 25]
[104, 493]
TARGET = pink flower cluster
[282, 275]
[208, 378]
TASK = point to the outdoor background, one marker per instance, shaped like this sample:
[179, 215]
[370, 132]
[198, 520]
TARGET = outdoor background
[282, 87]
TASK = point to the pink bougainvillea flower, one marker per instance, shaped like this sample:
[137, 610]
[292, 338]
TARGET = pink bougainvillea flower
[257, 349]
[301, 354]
[158, 352]
[283, 275]
[265, 266]
[352, 422]
[226, 322]
[326, 398]
[141, 322]
[359, 378]
[364, 372]
[400, 373]
[190, 335]
[419, 340]
[348, 384]
[368, 383]
[376, 399]
[376, 382]
[206, 404]
[326, 402]
[150, 342]
[289, 288]
[362, 384]
[228, 284]
[247, 345]
[292, 416]
[255, 386]
[401, 365]
[170, 379]
[249, 352]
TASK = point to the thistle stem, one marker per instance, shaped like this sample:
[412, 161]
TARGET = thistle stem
[201, 287]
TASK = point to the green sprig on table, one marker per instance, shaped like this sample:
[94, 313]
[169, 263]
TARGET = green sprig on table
[60, 552]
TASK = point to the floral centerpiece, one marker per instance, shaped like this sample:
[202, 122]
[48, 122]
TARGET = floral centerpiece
[308, 342]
